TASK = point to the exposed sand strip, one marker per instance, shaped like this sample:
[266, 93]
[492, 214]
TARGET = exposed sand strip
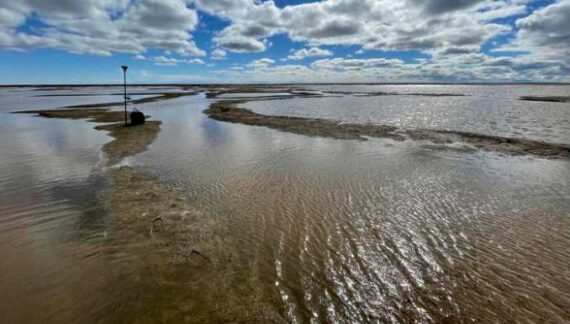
[229, 111]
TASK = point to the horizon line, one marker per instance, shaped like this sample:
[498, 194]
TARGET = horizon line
[6, 85]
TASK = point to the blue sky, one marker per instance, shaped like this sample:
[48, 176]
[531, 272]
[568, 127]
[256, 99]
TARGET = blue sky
[219, 41]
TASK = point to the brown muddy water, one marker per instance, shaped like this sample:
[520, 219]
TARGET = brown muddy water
[295, 228]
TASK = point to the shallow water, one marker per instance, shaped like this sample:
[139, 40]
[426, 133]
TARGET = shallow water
[241, 95]
[313, 229]
[487, 114]
[30, 98]
[49, 217]
[507, 91]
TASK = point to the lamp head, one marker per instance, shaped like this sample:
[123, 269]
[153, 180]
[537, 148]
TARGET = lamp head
[124, 67]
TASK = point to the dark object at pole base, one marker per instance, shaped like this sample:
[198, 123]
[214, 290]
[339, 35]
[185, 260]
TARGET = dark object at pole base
[137, 118]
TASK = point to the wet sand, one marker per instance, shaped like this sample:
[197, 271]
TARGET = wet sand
[129, 140]
[183, 250]
[229, 111]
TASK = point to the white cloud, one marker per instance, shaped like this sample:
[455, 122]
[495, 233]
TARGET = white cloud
[235, 39]
[172, 61]
[195, 61]
[355, 64]
[444, 6]
[545, 33]
[261, 63]
[100, 27]
[223, 8]
[166, 61]
[450, 34]
[472, 67]
[311, 52]
[151, 77]
[373, 24]
[218, 54]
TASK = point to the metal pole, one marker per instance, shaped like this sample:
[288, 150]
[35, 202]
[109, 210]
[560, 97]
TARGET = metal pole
[124, 67]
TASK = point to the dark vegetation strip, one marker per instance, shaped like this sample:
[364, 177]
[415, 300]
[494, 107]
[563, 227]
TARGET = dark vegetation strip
[546, 99]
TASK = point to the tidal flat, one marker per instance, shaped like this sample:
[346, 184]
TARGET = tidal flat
[229, 112]
[286, 203]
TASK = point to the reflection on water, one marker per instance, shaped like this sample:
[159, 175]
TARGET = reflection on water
[252, 95]
[48, 219]
[313, 229]
[506, 91]
[543, 121]
[30, 98]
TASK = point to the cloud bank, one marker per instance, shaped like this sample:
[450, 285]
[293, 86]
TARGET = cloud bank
[458, 40]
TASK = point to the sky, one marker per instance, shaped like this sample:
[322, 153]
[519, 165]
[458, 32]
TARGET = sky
[282, 41]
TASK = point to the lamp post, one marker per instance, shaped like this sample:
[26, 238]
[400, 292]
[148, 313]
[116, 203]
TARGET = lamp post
[124, 67]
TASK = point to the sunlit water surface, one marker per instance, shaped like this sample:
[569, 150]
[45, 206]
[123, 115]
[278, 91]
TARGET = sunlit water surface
[318, 229]
[490, 110]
